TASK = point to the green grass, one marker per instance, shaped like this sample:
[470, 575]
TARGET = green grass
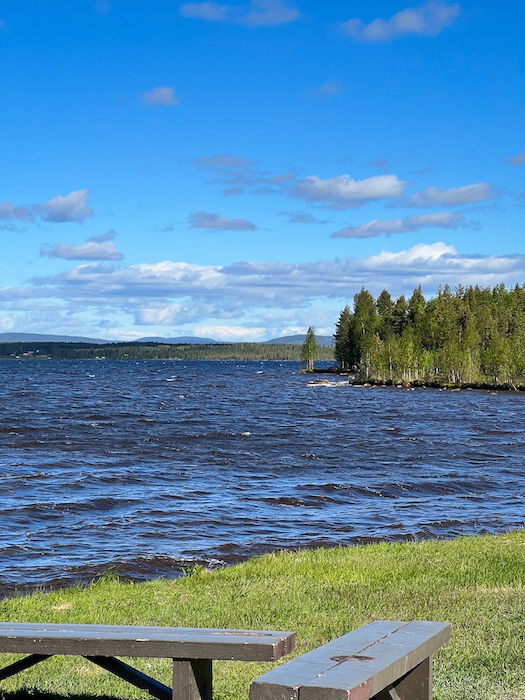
[475, 583]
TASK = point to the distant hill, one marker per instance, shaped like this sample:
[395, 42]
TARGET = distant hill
[181, 340]
[43, 338]
[299, 340]
[177, 341]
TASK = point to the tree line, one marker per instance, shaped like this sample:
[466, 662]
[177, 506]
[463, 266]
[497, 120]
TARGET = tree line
[158, 351]
[473, 336]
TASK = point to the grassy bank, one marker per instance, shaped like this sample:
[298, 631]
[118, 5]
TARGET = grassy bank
[475, 583]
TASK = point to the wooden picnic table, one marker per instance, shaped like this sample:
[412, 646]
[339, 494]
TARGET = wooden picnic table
[192, 651]
[384, 660]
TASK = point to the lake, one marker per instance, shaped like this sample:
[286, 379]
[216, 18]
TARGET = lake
[152, 467]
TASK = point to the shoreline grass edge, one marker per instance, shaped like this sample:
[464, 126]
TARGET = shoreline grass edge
[476, 583]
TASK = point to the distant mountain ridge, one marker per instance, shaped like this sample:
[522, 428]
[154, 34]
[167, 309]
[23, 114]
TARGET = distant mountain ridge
[186, 339]
[45, 338]
[177, 341]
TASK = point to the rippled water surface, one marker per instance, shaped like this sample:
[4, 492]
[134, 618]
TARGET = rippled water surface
[154, 466]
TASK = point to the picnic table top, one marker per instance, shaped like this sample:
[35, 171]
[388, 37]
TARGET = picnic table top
[126, 640]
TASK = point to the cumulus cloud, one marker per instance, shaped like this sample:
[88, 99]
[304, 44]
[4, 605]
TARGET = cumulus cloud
[72, 207]
[258, 13]
[9, 211]
[427, 20]
[251, 284]
[376, 227]
[230, 333]
[160, 96]
[344, 192]
[457, 196]
[202, 219]
[167, 314]
[168, 293]
[518, 159]
[85, 251]
[96, 248]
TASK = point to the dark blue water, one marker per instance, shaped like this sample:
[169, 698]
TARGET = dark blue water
[154, 466]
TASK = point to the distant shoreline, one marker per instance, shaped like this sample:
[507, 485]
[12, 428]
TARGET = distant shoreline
[242, 352]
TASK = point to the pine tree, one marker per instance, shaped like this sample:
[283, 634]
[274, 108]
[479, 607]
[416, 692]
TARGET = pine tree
[342, 352]
[309, 349]
[363, 332]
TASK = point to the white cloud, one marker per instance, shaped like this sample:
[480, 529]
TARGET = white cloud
[202, 219]
[258, 13]
[84, 251]
[457, 196]
[72, 207]
[160, 96]
[9, 211]
[230, 333]
[518, 159]
[344, 192]
[427, 20]
[254, 293]
[166, 315]
[376, 227]
[251, 284]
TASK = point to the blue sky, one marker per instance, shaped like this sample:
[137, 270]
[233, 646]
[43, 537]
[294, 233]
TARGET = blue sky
[239, 170]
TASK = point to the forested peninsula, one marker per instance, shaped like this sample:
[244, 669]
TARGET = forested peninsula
[471, 337]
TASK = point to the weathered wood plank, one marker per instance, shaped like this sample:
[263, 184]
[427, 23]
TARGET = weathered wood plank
[388, 660]
[162, 642]
[192, 679]
[283, 682]
[354, 667]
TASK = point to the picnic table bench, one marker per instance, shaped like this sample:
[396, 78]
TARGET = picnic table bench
[192, 651]
[383, 660]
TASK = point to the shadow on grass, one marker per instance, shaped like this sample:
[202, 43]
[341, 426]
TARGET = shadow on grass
[31, 694]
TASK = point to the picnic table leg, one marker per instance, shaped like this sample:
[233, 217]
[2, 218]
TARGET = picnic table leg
[415, 685]
[192, 679]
